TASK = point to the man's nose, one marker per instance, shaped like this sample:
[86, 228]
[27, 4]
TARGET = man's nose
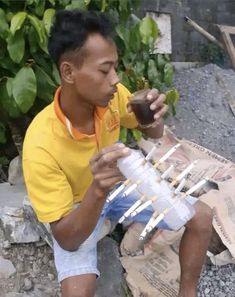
[114, 78]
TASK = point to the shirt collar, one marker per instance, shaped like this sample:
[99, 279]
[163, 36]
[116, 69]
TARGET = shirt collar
[75, 133]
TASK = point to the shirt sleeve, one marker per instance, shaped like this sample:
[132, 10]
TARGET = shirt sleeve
[48, 189]
[127, 119]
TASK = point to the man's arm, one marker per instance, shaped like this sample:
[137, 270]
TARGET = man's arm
[154, 132]
[72, 230]
[157, 104]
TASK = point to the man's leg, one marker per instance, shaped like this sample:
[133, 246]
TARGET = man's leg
[79, 286]
[77, 270]
[193, 249]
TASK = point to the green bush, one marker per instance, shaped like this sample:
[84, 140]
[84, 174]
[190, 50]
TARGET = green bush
[28, 78]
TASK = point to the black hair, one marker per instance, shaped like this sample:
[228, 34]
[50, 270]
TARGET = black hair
[71, 29]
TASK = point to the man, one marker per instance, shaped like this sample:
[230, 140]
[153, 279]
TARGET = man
[70, 155]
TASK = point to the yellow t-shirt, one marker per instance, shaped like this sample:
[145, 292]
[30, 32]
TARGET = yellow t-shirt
[56, 157]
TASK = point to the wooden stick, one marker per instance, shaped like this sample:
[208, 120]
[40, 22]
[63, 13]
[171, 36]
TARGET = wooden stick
[203, 32]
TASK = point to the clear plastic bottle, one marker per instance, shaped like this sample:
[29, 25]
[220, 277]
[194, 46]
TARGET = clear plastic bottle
[180, 211]
[135, 168]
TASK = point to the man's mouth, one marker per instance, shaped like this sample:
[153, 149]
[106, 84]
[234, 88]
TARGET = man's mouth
[111, 94]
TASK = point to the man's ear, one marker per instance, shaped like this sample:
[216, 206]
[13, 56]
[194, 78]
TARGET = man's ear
[67, 72]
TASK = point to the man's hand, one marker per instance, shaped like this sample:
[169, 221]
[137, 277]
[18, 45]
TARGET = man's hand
[104, 167]
[157, 103]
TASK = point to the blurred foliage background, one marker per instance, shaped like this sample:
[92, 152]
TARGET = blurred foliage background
[28, 78]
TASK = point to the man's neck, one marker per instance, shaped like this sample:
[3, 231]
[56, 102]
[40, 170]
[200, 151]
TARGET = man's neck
[78, 112]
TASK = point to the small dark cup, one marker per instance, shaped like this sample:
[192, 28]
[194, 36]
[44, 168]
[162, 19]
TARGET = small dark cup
[141, 108]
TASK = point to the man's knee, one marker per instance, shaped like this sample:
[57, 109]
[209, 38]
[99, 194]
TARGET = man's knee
[79, 286]
[202, 220]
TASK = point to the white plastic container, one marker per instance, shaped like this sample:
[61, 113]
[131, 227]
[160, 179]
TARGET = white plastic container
[180, 211]
[135, 168]
[132, 164]
[179, 215]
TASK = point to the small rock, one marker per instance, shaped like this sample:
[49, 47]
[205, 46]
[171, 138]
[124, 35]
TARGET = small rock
[51, 276]
[28, 284]
[6, 268]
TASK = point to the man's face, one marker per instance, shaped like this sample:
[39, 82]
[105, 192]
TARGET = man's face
[96, 78]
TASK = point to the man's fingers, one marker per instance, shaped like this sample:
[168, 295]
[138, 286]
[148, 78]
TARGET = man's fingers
[112, 156]
[160, 113]
[158, 102]
[112, 148]
[107, 180]
[108, 174]
[129, 109]
[153, 94]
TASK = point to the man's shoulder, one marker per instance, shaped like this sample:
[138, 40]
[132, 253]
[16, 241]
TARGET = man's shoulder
[40, 130]
[41, 120]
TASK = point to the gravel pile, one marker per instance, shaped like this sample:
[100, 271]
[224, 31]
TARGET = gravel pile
[217, 281]
[204, 116]
[35, 274]
[203, 113]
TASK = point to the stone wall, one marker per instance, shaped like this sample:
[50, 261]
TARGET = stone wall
[189, 45]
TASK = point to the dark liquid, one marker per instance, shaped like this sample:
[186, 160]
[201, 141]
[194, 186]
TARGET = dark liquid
[142, 111]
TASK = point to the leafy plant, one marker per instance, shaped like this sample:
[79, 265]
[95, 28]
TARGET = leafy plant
[28, 78]
[212, 53]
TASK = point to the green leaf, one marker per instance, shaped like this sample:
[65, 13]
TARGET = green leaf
[9, 16]
[167, 57]
[3, 138]
[124, 35]
[4, 28]
[124, 79]
[8, 64]
[56, 75]
[168, 74]
[33, 40]
[24, 88]
[153, 74]
[6, 101]
[87, 2]
[76, 4]
[39, 28]
[44, 63]
[16, 46]
[64, 2]
[135, 39]
[139, 68]
[3, 48]
[152, 69]
[30, 2]
[123, 5]
[137, 134]
[6, 2]
[104, 5]
[148, 30]
[9, 86]
[45, 85]
[120, 29]
[123, 134]
[17, 21]
[172, 98]
[47, 18]
[161, 61]
[39, 8]
[4, 161]
[52, 2]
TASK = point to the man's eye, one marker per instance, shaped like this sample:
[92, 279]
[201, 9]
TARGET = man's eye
[104, 71]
